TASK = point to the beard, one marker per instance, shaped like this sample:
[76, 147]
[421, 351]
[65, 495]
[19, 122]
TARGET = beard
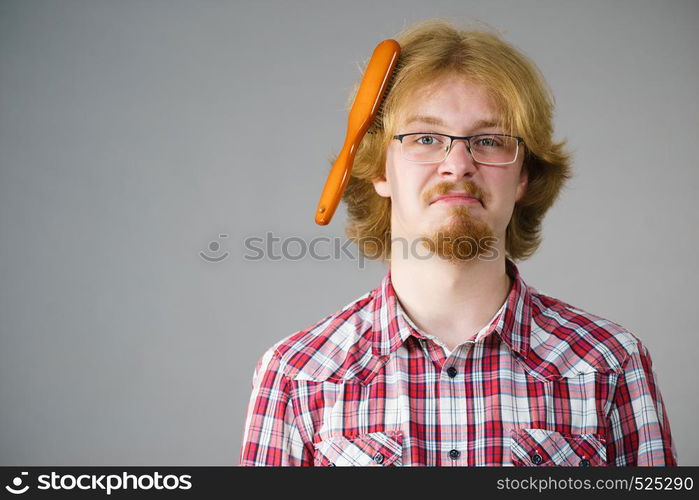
[462, 239]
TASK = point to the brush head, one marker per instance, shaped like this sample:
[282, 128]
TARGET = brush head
[377, 123]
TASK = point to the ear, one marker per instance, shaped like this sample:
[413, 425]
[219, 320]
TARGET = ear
[382, 187]
[522, 184]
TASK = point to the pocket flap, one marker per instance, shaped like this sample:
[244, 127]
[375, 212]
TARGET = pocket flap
[371, 449]
[541, 448]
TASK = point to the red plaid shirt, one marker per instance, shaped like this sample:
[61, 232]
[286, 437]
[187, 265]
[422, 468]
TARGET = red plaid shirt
[543, 384]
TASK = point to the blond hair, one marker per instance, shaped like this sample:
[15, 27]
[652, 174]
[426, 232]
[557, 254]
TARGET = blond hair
[433, 49]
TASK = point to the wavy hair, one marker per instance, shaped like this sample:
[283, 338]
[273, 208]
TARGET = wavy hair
[435, 48]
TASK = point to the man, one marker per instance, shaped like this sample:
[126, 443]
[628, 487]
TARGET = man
[453, 360]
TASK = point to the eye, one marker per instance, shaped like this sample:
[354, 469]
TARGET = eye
[489, 141]
[427, 140]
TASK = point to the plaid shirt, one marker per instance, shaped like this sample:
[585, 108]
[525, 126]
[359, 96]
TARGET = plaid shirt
[544, 384]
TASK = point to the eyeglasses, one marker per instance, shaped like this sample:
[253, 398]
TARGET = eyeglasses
[488, 149]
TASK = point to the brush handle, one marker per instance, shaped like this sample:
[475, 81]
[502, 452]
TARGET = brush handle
[366, 104]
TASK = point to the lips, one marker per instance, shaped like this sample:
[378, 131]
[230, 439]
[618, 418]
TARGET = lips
[454, 197]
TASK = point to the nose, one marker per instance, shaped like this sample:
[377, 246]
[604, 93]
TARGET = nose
[459, 162]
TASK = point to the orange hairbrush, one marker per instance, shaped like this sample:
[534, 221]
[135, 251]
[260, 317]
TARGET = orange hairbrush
[364, 108]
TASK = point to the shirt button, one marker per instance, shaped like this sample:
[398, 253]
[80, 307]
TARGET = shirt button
[536, 458]
[454, 454]
[584, 462]
[378, 458]
[451, 371]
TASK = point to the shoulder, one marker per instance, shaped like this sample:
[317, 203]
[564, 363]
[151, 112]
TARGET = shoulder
[335, 348]
[576, 341]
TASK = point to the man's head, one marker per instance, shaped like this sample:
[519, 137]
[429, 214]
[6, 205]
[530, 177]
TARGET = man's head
[461, 83]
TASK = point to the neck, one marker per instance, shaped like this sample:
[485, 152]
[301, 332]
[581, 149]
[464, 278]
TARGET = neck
[450, 301]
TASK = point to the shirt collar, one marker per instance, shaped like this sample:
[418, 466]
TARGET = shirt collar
[512, 324]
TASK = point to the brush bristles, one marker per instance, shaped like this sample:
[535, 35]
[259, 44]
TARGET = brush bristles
[377, 123]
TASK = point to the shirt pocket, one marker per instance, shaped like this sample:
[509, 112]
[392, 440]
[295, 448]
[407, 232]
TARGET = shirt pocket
[544, 448]
[374, 449]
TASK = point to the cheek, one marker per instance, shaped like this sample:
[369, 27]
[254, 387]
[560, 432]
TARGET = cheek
[510, 182]
[503, 190]
[408, 183]
[391, 170]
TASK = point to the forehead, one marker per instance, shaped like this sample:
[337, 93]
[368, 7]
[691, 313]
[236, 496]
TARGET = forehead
[450, 101]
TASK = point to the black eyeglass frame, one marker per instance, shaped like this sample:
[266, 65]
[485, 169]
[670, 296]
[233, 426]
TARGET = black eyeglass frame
[466, 138]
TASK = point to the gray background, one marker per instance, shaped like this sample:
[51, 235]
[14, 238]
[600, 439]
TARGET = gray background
[133, 133]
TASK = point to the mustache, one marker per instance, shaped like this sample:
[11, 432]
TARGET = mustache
[466, 186]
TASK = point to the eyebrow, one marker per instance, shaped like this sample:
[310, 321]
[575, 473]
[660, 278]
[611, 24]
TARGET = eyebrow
[433, 120]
